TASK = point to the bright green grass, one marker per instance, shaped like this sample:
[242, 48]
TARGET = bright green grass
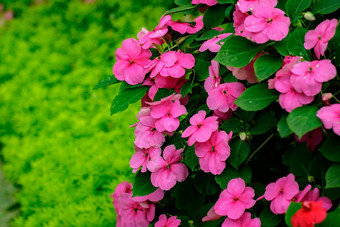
[60, 145]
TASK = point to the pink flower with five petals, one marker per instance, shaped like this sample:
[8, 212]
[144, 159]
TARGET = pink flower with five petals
[330, 117]
[142, 157]
[167, 222]
[214, 78]
[248, 5]
[206, 2]
[213, 43]
[244, 221]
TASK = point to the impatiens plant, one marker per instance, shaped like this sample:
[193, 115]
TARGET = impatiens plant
[240, 120]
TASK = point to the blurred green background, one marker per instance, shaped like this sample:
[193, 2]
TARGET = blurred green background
[59, 146]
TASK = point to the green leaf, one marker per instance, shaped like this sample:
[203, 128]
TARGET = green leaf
[331, 148]
[263, 123]
[295, 43]
[181, 8]
[292, 209]
[294, 7]
[142, 184]
[205, 183]
[191, 159]
[282, 126]
[201, 69]
[106, 82]
[228, 11]
[334, 45]
[325, 6]
[182, 2]
[303, 119]
[239, 151]
[213, 16]
[187, 87]
[266, 65]
[126, 97]
[332, 219]
[256, 97]
[225, 1]
[238, 51]
[268, 218]
[281, 47]
[300, 160]
[232, 124]
[208, 35]
[245, 115]
[163, 93]
[318, 167]
[333, 176]
[230, 173]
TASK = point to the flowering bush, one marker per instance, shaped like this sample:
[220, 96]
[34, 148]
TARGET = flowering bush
[240, 115]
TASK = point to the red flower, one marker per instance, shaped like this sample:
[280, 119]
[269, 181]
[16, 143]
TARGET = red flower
[310, 214]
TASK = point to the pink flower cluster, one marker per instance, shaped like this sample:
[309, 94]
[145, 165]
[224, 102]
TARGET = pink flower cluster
[286, 189]
[330, 117]
[299, 81]
[263, 23]
[206, 2]
[167, 222]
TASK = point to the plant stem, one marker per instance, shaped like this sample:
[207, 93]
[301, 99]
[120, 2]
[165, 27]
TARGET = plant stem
[257, 149]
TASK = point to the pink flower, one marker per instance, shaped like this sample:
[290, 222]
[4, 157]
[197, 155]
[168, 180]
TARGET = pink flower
[169, 82]
[166, 172]
[248, 5]
[238, 24]
[247, 72]
[131, 62]
[312, 138]
[184, 27]
[325, 98]
[313, 195]
[222, 98]
[307, 76]
[213, 153]
[330, 117]
[235, 199]
[206, 2]
[320, 37]
[213, 44]
[211, 216]
[166, 114]
[142, 157]
[156, 196]
[150, 38]
[267, 23]
[173, 63]
[146, 134]
[201, 128]
[281, 193]
[214, 78]
[244, 221]
[164, 222]
[292, 99]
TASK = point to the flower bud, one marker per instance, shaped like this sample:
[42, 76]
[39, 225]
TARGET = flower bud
[243, 136]
[309, 16]
[325, 98]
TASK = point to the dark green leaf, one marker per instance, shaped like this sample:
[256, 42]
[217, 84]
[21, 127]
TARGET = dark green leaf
[228, 11]
[333, 176]
[268, 218]
[334, 45]
[106, 82]
[183, 2]
[331, 148]
[229, 78]
[266, 65]
[292, 209]
[299, 162]
[232, 124]
[318, 167]
[213, 16]
[201, 69]
[205, 183]
[191, 159]
[263, 123]
[239, 151]
[231, 173]
[245, 115]
[126, 97]
[325, 6]
[238, 51]
[303, 119]
[142, 184]
[181, 8]
[295, 43]
[163, 93]
[186, 88]
[282, 127]
[256, 97]
[294, 7]
[281, 47]
[332, 219]
[225, 1]
[208, 35]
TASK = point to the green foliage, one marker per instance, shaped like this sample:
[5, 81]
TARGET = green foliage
[266, 65]
[60, 145]
[292, 209]
[142, 185]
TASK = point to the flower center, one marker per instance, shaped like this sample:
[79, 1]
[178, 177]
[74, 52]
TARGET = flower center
[131, 61]
[320, 37]
[236, 198]
[199, 125]
[269, 21]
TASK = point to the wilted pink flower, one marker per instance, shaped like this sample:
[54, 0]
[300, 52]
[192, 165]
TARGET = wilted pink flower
[222, 116]
[247, 72]
[267, 23]
[131, 62]
[206, 2]
[244, 221]
[320, 37]
[201, 128]
[312, 138]
[313, 195]
[325, 98]
[170, 222]
[248, 5]
[142, 157]
[213, 153]
[213, 43]
[166, 114]
[173, 63]
[211, 216]
[222, 98]
[214, 78]
[166, 172]
[235, 199]
[150, 38]
[330, 117]
[308, 77]
[281, 193]
[146, 134]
